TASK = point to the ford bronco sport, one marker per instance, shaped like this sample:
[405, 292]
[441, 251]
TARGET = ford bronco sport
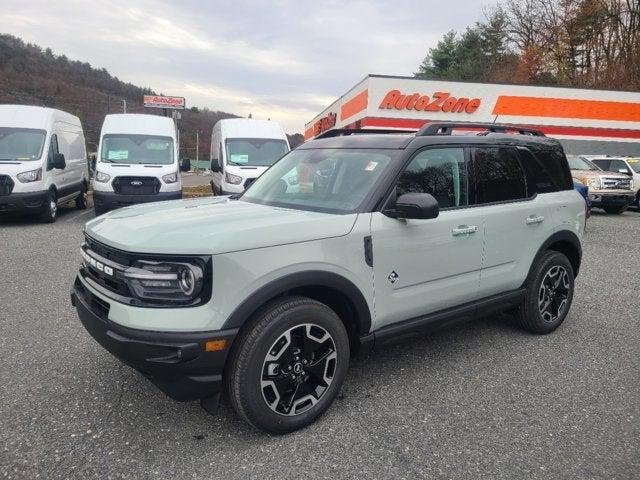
[345, 243]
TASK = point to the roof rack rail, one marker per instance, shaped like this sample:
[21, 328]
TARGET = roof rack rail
[445, 128]
[337, 132]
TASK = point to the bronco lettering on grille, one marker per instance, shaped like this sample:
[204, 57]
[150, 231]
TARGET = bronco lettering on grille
[438, 102]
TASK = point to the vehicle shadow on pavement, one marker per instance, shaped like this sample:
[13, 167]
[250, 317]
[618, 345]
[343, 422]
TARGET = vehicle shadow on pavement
[65, 213]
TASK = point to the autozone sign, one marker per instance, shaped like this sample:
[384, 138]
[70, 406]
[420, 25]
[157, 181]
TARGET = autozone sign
[437, 102]
[160, 101]
[324, 123]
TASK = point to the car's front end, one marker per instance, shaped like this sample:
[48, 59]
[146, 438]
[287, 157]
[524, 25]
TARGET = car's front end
[116, 292]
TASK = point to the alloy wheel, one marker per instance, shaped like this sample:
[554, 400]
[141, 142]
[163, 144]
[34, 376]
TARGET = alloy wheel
[553, 293]
[298, 369]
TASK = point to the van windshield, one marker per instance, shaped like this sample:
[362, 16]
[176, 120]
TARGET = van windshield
[255, 152]
[324, 180]
[134, 149]
[21, 144]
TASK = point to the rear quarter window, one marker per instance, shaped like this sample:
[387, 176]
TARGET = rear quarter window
[554, 162]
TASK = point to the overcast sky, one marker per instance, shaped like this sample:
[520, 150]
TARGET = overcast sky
[284, 60]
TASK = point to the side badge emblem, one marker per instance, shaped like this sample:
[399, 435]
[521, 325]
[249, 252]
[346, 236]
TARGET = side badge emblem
[393, 276]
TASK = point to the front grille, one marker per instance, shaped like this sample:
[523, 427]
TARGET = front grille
[136, 185]
[109, 253]
[615, 183]
[6, 185]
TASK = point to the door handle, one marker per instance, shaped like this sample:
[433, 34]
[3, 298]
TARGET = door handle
[533, 219]
[464, 230]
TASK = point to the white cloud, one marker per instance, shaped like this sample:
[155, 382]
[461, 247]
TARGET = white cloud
[284, 60]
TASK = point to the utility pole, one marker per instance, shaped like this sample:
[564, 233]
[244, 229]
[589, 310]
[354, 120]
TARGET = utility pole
[124, 105]
[197, 150]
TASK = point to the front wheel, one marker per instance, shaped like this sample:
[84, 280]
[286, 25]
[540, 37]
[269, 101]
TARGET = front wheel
[288, 365]
[549, 294]
[81, 200]
[614, 210]
[50, 208]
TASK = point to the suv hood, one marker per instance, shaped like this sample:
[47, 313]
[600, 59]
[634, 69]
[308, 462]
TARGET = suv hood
[211, 226]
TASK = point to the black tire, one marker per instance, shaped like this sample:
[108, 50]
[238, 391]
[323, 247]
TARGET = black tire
[614, 210]
[81, 200]
[249, 365]
[530, 314]
[49, 211]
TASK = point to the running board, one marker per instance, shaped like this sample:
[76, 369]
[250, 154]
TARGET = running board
[443, 318]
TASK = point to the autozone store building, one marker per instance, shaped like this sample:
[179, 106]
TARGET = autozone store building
[586, 121]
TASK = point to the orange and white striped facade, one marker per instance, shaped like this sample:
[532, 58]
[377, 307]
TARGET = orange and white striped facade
[586, 121]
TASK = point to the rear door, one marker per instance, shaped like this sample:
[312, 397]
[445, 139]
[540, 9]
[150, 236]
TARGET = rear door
[423, 266]
[516, 219]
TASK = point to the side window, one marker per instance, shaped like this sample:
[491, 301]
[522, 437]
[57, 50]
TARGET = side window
[499, 177]
[619, 165]
[555, 162]
[442, 172]
[603, 164]
[53, 148]
[538, 177]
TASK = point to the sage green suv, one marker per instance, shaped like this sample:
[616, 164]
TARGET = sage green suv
[345, 244]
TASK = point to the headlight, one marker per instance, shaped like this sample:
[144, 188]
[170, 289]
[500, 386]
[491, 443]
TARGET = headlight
[31, 176]
[594, 183]
[232, 179]
[165, 281]
[102, 177]
[170, 178]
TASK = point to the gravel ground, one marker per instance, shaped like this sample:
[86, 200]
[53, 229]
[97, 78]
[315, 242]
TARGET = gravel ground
[483, 400]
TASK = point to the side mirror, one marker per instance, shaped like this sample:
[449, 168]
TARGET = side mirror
[58, 161]
[92, 163]
[214, 166]
[185, 165]
[419, 206]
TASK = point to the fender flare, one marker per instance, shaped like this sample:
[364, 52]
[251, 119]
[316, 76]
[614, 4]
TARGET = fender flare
[313, 278]
[559, 236]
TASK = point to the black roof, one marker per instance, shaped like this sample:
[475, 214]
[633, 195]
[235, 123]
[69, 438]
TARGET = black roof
[403, 141]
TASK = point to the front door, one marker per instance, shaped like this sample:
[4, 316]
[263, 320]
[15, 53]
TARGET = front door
[423, 266]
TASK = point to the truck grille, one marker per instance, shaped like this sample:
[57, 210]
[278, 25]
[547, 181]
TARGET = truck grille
[136, 185]
[6, 185]
[119, 260]
[615, 183]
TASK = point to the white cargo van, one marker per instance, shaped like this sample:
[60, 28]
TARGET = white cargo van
[241, 150]
[43, 160]
[137, 162]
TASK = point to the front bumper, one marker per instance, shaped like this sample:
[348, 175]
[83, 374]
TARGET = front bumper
[599, 199]
[111, 200]
[176, 362]
[23, 202]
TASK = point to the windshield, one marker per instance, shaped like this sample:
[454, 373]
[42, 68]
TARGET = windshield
[147, 149]
[255, 152]
[326, 180]
[579, 163]
[634, 163]
[21, 144]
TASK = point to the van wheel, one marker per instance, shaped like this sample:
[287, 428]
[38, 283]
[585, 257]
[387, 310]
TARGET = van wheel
[549, 294]
[81, 200]
[614, 210]
[287, 367]
[50, 208]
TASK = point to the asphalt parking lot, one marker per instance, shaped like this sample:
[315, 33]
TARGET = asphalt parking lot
[483, 400]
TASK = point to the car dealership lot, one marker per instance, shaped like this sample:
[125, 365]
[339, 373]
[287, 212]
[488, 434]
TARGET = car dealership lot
[483, 400]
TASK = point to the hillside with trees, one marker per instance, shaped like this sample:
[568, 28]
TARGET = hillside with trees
[31, 75]
[575, 43]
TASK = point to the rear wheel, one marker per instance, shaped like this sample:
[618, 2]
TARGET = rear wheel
[288, 365]
[50, 208]
[614, 210]
[549, 294]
